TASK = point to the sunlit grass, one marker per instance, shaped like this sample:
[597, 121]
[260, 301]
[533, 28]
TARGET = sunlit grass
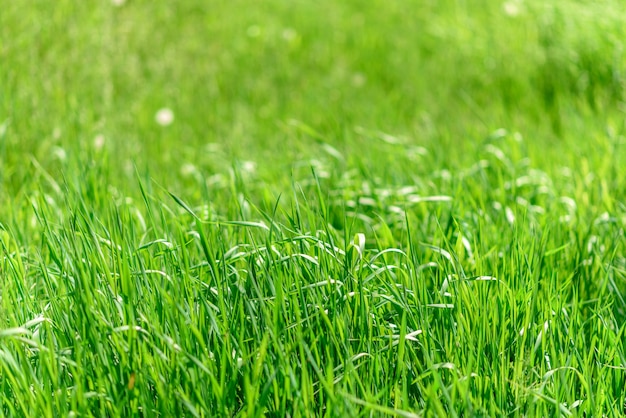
[232, 208]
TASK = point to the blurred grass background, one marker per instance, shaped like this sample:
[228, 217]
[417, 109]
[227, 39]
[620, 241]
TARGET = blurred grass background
[236, 74]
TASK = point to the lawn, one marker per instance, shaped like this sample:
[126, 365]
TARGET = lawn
[312, 208]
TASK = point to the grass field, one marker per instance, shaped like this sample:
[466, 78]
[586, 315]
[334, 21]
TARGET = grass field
[312, 208]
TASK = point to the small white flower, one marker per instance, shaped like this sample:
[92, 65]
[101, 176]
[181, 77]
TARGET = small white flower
[118, 2]
[248, 167]
[164, 117]
[98, 142]
[511, 8]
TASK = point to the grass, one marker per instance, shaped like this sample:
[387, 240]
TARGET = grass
[359, 209]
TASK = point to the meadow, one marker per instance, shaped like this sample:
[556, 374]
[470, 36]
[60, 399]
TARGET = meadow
[312, 208]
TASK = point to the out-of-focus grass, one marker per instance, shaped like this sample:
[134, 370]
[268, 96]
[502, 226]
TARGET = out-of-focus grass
[359, 208]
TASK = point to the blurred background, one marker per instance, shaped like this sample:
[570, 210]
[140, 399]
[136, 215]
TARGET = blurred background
[185, 90]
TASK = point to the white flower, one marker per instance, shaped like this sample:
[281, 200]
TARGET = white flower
[98, 142]
[511, 8]
[248, 167]
[164, 117]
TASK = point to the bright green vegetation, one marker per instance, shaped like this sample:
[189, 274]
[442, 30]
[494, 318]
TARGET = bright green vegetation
[360, 208]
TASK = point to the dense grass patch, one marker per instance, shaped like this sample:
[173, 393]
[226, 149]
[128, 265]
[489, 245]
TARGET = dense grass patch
[236, 208]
